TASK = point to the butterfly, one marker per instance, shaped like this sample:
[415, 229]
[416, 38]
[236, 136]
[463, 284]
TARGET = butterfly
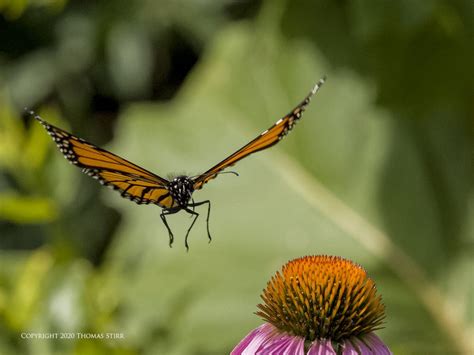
[144, 187]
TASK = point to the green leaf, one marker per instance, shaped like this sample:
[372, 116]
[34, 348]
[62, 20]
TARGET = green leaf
[28, 290]
[26, 209]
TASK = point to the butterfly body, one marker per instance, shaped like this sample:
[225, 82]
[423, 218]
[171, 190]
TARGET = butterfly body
[181, 189]
[144, 187]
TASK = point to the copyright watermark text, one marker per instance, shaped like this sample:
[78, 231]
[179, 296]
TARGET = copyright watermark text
[70, 335]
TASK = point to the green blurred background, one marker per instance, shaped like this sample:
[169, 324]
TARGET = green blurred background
[380, 170]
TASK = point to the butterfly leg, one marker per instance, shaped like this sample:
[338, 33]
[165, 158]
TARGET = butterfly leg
[208, 214]
[196, 215]
[163, 214]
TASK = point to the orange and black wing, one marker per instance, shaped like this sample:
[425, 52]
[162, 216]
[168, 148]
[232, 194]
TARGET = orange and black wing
[265, 140]
[132, 181]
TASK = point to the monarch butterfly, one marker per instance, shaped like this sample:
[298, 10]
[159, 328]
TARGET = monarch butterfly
[144, 187]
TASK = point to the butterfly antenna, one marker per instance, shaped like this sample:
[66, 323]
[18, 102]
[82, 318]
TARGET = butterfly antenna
[228, 172]
[220, 172]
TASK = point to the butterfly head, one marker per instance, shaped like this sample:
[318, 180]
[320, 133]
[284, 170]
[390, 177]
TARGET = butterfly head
[181, 189]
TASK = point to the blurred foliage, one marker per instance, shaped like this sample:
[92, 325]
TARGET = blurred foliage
[13, 9]
[380, 170]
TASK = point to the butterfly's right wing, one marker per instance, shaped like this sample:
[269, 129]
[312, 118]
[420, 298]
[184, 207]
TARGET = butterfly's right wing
[265, 140]
[132, 181]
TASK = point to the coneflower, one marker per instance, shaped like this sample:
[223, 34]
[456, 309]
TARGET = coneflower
[318, 305]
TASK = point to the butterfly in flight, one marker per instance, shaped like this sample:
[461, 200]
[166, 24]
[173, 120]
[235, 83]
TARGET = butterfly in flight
[144, 187]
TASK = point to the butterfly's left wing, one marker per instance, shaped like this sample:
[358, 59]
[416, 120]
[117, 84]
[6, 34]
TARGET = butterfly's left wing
[132, 181]
[265, 140]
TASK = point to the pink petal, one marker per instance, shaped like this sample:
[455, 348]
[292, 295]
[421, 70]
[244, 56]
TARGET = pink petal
[296, 347]
[250, 344]
[321, 347]
[284, 345]
[376, 344]
[356, 347]
[267, 340]
[368, 344]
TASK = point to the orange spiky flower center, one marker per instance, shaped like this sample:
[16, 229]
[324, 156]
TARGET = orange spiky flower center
[322, 297]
